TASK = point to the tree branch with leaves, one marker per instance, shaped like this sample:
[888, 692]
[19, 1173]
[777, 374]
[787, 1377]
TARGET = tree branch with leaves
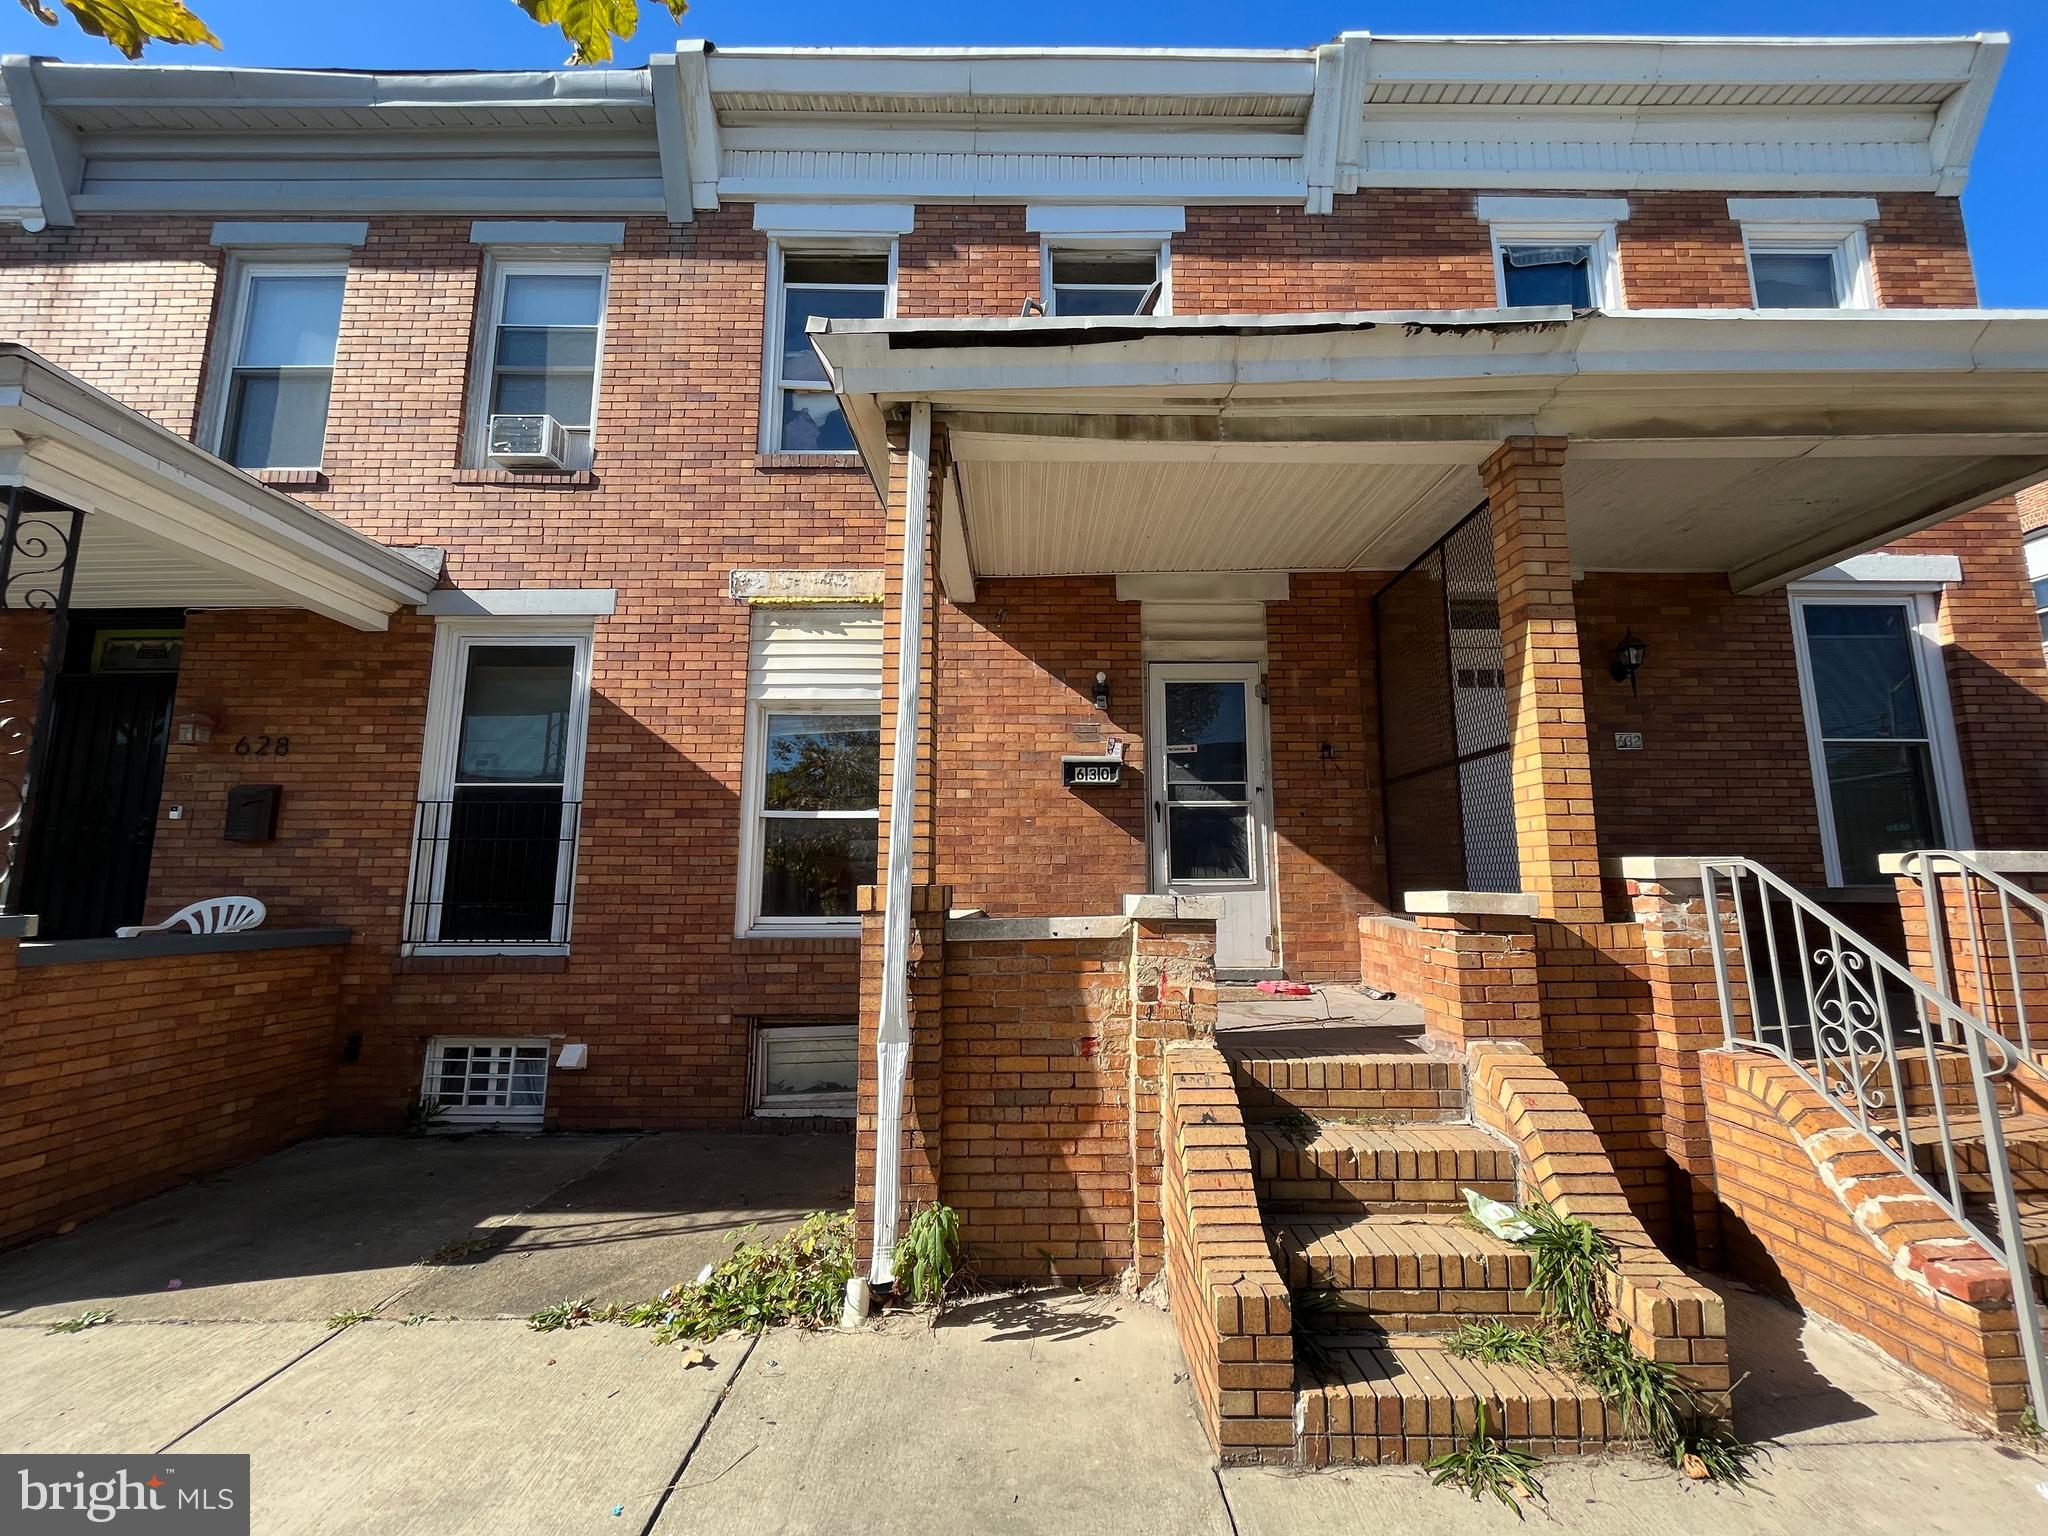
[590, 26]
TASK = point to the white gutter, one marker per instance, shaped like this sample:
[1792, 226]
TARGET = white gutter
[892, 1032]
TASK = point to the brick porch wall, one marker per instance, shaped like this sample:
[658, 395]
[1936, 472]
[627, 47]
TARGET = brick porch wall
[1815, 1214]
[125, 1078]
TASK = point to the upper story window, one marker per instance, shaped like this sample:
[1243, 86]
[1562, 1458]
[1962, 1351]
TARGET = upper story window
[1807, 252]
[837, 283]
[1555, 250]
[542, 338]
[2037, 573]
[1086, 280]
[283, 322]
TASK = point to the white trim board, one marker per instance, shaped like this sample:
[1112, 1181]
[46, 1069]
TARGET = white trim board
[835, 221]
[522, 602]
[328, 234]
[1144, 221]
[1924, 571]
[1551, 210]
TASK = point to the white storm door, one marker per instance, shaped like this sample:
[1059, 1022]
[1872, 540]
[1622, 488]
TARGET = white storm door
[1211, 805]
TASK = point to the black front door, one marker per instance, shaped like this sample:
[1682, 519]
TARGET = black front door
[94, 819]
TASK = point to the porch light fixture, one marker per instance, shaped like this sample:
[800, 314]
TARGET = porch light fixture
[1102, 690]
[1628, 659]
[192, 728]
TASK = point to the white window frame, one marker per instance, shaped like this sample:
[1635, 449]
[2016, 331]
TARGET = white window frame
[1603, 261]
[771, 348]
[836, 1106]
[1922, 605]
[1846, 245]
[242, 272]
[2037, 569]
[1159, 247]
[483, 349]
[753, 925]
[466, 1116]
[454, 639]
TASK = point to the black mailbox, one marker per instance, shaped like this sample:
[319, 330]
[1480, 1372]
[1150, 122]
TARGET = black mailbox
[252, 813]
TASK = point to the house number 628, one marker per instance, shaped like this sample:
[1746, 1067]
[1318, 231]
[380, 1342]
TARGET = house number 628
[264, 746]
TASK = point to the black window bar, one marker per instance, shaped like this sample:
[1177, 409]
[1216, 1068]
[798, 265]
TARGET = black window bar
[1446, 764]
[38, 564]
[493, 865]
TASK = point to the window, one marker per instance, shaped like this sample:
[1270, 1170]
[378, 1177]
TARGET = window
[494, 856]
[487, 1082]
[1793, 266]
[2037, 572]
[1877, 726]
[803, 415]
[1081, 280]
[806, 1068]
[1547, 274]
[1555, 250]
[542, 339]
[813, 769]
[283, 324]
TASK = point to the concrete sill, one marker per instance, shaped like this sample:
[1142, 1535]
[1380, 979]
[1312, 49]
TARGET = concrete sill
[292, 479]
[157, 945]
[1469, 903]
[771, 462]
[536, 480]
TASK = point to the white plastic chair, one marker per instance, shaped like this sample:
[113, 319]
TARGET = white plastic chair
[216, 914]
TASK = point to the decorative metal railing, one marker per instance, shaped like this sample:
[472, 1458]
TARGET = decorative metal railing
[2006, 928]
[38, 562]
[1884, 1048]
[493, 866]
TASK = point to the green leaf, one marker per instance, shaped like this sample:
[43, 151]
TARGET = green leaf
[590, 25]
[130, 24]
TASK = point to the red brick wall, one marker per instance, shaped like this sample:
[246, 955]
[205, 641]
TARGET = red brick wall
[1036, 1153]
[1813, 1216]
[128, 1077]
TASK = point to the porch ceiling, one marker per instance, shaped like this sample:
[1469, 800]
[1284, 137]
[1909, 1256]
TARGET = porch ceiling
[1765, 446]
[169, 525]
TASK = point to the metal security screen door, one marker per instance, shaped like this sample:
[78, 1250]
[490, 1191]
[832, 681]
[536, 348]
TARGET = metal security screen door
[1211, 812]
[1444, 720]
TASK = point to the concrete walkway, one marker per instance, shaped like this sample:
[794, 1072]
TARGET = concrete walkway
[1034, 1413]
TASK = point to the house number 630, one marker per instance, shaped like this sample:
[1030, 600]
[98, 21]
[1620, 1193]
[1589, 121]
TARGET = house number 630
[264, 746]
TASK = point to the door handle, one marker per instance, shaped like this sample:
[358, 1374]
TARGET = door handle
[1159, 811]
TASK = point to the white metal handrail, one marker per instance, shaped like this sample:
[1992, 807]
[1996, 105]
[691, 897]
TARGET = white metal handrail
[1929, 866]
[1842, 1026]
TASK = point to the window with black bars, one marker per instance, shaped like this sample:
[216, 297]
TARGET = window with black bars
[1445, 755]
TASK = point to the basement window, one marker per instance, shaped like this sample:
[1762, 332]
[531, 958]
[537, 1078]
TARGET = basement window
[806, 1068]
[487, 1082]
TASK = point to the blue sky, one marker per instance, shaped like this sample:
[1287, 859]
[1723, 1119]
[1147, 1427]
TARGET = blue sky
[2007, 214]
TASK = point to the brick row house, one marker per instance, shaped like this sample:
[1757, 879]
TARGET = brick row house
[865, 585]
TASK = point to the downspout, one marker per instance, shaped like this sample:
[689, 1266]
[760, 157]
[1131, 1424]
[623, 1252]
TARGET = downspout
[892, 1032]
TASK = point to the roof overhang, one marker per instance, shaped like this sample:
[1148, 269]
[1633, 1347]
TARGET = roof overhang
[1767, 445]
[169, 525]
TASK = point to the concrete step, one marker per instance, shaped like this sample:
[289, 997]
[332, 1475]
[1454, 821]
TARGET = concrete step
[1404, 1273]
[1385, 1398]
[1275, 1083]
[1337, 1168]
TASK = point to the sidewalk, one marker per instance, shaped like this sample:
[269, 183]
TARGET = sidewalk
[1043, 1413]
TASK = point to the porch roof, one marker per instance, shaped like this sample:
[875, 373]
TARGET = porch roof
[169, 525]
[1765, 444]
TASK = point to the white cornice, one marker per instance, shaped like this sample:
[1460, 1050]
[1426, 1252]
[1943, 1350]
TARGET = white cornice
[1122, 126]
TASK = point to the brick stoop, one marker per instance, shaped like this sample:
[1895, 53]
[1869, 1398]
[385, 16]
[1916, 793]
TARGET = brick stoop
[1359, 1162]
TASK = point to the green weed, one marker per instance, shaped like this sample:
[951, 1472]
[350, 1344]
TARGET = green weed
[566, 1314]
[84, 1320]
[927, 1255]
[797, 1279]
[1496, 1341]
[1484, 1465]
[350, 1318]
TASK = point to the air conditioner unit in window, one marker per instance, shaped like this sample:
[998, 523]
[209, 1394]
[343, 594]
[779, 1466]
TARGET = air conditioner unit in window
[529, 442]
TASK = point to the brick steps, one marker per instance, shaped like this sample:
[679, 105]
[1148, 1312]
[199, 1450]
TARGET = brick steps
[1276, 1083]
[1370, 1169]
[2026, 1147]
[1408, 1273]
[1404, 1398]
